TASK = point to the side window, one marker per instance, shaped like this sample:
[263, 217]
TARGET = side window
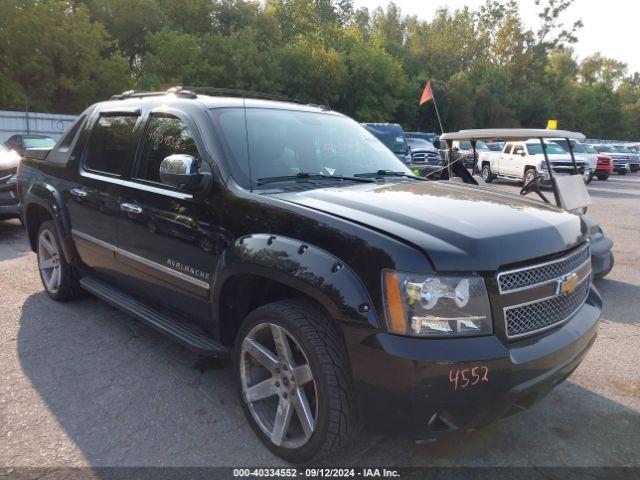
[112, 144]
[165, 135]
[518, 150]
[507, 148]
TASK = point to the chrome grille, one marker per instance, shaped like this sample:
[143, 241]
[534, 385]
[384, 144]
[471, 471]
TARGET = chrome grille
[527, 277]
[542, 314]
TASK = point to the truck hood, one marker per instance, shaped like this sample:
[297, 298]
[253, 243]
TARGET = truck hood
[460, 228]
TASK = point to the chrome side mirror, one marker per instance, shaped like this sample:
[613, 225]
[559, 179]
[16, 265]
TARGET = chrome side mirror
[181, 171]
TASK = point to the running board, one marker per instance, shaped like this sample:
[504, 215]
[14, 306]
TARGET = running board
[189, 337]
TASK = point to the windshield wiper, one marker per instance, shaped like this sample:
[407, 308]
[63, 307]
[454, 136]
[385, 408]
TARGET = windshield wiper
[311, 176]
[388, 173]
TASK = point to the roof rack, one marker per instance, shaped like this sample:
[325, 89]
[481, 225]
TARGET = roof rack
[179, 91]
[191, 92]
[234, 92]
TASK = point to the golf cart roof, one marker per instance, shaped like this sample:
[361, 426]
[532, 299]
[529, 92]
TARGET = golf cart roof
[511, 134]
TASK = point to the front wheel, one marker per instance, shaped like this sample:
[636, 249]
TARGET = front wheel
[529, 175]
[295, 381]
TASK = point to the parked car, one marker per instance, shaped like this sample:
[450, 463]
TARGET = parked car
[20, 142]
[430, 137]
[344, 287]
[426, 159]
[634, 158]
[9, 160]
[464, 148]
[569, 190]
[522, 161]
[604, 167]
[582, 154]
[620, 160]
[392, 135]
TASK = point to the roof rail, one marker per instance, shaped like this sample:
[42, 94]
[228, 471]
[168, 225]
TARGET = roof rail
[234, 92]
[179, 91]
[191, 92]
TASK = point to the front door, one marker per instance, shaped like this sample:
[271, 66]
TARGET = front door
[92, 196]
[167, 243]
[516, 165]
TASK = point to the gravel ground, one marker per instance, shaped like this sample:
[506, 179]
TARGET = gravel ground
[84, 385]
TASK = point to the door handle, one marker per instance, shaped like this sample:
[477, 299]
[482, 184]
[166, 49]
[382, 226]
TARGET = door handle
[78, 193]
[131, 208]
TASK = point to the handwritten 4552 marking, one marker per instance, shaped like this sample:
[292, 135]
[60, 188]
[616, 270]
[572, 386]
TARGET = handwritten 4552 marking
[468, 377]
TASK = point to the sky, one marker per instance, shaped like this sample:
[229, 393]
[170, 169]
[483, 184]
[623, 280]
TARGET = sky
[611, 28]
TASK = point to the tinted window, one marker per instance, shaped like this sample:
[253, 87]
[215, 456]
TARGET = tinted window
[112, 144]
[508, 148]
[165, 135]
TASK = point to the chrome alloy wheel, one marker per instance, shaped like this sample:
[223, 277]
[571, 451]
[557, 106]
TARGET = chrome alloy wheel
[49, 261]
[278, 385]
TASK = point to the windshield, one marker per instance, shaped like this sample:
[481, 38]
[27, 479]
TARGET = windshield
[577, 147]
[480, 145]
[3, 148]
[590, 149]
[285, 143]
[391, 135]
[420, 143]
[39, 142]
[603, 148]
[552, 149]
[621, 149]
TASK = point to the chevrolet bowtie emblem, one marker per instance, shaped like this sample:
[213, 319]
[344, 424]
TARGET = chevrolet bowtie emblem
[567, 284]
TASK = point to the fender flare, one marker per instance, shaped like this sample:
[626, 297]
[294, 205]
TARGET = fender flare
[301, 266]
[47, 197]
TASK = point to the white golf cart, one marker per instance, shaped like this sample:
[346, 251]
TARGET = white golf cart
[568, 186]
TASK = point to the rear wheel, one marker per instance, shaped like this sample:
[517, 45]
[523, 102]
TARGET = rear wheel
[487, 176]
[295, 381]
[60, 280]
[603, 176]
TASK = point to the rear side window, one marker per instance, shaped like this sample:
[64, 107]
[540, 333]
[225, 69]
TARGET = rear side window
[165, 135]
[112, 144]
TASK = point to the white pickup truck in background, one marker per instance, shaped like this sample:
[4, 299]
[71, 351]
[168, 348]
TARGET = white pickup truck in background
[524, 160]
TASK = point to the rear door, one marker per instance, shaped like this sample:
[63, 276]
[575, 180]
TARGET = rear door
[92, 195]
[167, 251]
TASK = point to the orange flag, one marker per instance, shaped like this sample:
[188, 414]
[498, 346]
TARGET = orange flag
[427, 94]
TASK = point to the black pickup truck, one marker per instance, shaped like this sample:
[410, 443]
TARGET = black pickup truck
[285, 236]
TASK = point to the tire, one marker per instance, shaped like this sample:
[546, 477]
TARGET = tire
[312, 337]
[529, 174]
[60, 280]
[603, 176]
[487, 176]
[622, 172]
[589, 179]
[601, 275]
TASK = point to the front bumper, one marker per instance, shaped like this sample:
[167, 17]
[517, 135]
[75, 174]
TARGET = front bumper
[414, 385]
[9, 204]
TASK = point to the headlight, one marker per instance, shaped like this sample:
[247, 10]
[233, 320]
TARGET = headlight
[436, 306]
